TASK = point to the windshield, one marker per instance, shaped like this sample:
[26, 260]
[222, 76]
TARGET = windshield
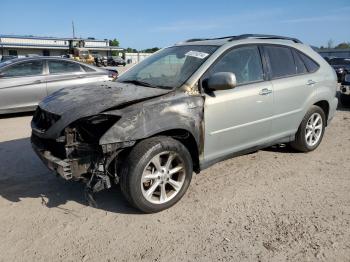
[168, 68]
[339, 61]
[347, 78]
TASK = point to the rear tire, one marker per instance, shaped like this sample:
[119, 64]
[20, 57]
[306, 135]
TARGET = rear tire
[310, 131]
[156, 174]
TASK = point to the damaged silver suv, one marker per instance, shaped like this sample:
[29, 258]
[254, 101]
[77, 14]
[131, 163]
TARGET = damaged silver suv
[183, 109]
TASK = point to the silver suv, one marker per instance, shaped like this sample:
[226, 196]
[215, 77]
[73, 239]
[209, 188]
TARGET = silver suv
[183, 109]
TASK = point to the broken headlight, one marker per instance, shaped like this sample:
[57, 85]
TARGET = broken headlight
[92, 128]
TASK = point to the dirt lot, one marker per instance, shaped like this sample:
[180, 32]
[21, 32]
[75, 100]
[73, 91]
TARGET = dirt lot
[274, 204]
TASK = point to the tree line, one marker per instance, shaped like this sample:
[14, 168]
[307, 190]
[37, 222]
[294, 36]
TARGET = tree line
[115, 42]
[330, 45]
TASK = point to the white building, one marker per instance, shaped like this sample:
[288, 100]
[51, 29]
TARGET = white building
[51, 46]
[134, 58]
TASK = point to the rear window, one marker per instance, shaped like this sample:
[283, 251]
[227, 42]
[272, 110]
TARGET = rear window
[61, 67]
[339, 61]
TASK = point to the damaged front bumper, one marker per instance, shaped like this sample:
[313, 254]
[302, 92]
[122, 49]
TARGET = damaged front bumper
[66, 168]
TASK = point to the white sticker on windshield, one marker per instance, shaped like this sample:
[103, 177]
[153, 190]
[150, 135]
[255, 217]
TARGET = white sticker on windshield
[197, 54]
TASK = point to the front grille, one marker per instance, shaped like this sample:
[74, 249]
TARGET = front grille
[57, 149]
[44, 120]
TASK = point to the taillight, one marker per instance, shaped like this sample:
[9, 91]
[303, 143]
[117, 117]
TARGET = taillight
[112, 74]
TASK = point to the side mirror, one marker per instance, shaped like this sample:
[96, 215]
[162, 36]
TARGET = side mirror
[221, 81]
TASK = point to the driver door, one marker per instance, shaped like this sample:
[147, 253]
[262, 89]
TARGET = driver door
[240, 118]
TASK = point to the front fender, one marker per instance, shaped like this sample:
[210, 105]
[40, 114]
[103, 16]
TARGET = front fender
[155, 116]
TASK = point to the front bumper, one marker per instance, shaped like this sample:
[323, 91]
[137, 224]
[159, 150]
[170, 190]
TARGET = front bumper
[66, 168]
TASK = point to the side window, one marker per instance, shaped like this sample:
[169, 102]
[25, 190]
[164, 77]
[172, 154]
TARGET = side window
[244, 62]
[62, 67]
[300, 66]
[281, 61]
[30, 68]
[310, 64]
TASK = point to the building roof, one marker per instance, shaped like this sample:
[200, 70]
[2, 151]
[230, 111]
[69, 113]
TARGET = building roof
[52, 38]
[51, 44]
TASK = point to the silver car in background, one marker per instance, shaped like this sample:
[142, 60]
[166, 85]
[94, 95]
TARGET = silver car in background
[24, 82]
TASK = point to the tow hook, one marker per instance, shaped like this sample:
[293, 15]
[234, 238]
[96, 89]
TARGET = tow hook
[98, 181]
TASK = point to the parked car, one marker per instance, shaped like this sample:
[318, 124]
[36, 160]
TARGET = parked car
[7, 57]
[115, 61]
[100, 60]
[341, 67]
[25, 82]
[345, 91]
[184, 109]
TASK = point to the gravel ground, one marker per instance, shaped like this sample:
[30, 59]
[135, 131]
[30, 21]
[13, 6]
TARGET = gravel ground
[271, 205]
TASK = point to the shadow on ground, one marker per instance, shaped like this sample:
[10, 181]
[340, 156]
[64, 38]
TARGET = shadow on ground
[22, 175]
[4, 116]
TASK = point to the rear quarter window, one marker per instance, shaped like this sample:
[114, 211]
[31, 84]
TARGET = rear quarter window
[87, 69]
[299, 63]
[310, 64]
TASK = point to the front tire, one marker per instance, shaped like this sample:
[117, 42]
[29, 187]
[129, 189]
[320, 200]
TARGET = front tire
[310, 131]
[156, 174]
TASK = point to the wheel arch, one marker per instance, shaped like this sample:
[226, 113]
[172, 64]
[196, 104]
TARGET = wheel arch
[185, 137]
[324, 105]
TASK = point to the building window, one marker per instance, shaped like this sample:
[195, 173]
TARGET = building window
[13, 52]
[46, 52]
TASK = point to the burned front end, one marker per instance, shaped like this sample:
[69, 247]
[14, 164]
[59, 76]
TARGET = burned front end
[75, 153]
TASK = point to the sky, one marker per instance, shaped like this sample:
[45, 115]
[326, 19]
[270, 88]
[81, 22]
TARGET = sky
[145, 24]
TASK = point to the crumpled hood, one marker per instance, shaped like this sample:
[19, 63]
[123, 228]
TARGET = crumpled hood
[94, 98]
[72, 104]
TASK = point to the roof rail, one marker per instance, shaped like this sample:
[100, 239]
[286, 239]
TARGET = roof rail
[205, 39]
[245, 36]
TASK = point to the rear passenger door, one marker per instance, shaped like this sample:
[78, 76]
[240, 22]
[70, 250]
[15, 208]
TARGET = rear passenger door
[293, 83]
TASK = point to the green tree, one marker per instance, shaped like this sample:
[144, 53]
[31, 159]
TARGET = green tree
[343, 45]
[131, 50]
[151, 50]
[114, 42]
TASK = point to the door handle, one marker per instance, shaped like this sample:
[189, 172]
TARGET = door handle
[310, 83]
[265, 91]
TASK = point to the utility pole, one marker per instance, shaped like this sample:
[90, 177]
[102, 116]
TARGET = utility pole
[73, 29]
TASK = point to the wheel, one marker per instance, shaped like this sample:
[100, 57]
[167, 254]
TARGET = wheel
[156, 174]
[344, 99]
[310, 131]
